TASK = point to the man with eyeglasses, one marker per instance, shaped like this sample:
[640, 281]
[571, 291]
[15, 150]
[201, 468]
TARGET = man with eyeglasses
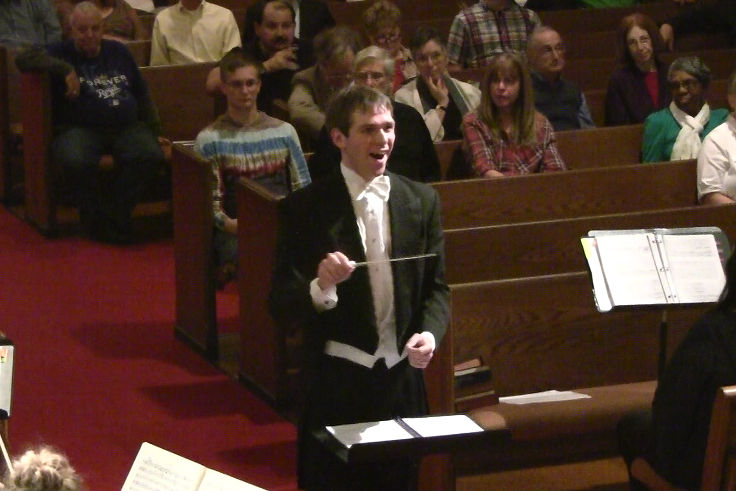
[312, 88]
[245, 142]
[554, 96]
[413, 155]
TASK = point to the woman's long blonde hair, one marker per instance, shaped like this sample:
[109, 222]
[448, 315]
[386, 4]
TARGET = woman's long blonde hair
[522, 130]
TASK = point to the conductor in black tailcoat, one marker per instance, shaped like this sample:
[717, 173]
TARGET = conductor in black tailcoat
[369, 330]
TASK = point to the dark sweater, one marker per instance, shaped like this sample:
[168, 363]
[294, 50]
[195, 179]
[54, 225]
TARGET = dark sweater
[560, 102]
[627, 98]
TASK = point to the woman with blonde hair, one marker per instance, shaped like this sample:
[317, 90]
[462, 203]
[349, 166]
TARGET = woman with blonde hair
[42, 470]
[505, 135]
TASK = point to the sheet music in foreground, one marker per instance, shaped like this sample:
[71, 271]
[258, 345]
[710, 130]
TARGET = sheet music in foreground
[631, 272]
[156, 469]
[695, 267]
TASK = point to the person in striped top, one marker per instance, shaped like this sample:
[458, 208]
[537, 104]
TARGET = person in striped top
[245, 142]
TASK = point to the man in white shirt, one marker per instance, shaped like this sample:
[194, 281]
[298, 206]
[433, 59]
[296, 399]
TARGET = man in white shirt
[193, 31]
[370, 328]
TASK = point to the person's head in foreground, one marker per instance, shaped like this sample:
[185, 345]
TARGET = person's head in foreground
[42, 470]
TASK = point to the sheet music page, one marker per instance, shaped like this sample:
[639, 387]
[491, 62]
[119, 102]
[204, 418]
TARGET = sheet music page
[443, 425]
[156, 469]
[373, 431]
[695, 267]
[545, 396]
[600, 289]
[630, 270]
[217, 481]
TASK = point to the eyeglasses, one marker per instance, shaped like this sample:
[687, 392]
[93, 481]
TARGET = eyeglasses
[548, 50]
[366, 76]
[239, 84]
[435, 57]
[389, 38]
[689, 84]
[643, 40]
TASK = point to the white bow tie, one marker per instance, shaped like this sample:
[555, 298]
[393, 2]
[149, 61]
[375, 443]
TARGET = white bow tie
[379, 186]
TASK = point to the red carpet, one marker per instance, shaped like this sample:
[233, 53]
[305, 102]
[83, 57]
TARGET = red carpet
[98, 370]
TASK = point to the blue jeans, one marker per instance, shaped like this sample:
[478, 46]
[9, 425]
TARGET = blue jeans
[137, 155]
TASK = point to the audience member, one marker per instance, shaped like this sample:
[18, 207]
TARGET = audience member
[146, 6]
[676, 132]
[365, 344]
[275, 46]
[101, 106]
[119, 20]
[554, 96]
[310, 18]
[245, 142]
[505, 136]
[25, 22]
[665, 447]
[381, 22]
[42, 470]
[717, 158]
[486, 28]
[442, 100]
[193, 31]
[638, 86]
[312, 88]
[707, 17]
[413, 155]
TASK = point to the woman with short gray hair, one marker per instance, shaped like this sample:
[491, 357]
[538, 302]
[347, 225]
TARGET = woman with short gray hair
[676, 132]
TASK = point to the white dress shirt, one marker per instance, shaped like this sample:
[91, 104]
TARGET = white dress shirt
[717, 161]
[182, 36]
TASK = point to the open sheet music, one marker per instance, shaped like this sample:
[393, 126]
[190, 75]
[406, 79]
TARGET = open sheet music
[156, 469]
[403, 429]
[656, 266]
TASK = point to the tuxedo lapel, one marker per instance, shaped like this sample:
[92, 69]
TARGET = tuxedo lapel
[341, 224]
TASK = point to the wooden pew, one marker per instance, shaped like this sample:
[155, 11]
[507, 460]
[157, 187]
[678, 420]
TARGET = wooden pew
[196, 321]
[584, 192]
[544, 333]
[719, 469]
[553, 246]
[141, 51]
[178, 92]
[580, 149]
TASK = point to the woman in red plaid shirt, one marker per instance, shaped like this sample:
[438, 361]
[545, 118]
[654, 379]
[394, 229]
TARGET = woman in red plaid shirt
[505, 136]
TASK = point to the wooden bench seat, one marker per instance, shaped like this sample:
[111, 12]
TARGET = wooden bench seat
[543, 333]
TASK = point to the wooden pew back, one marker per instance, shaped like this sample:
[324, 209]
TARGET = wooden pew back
[553, 247]
[544, 332]
[550, 196]
[719, 468]
[179, 94]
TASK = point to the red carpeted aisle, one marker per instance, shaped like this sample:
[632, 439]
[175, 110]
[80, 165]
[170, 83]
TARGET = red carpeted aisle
[98, 370]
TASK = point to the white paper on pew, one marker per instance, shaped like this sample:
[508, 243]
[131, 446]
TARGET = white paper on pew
[455, 424]
[546, 396]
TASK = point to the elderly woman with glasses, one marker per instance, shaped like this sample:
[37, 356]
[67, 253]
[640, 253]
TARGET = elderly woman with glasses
[440, 99]
[312, 88]
[717, 158]
[676, 132]
[638, 87]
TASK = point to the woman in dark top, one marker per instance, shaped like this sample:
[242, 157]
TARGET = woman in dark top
[638, 87]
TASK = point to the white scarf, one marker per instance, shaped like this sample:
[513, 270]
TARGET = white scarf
[688, 141]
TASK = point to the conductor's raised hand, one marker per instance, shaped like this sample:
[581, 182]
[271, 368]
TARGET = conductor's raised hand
[333, 269]
[419, 349]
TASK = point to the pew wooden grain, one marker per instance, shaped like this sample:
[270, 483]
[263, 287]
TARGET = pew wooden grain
[196, 320]
[544, 333]
[553, 246]
[584, 192]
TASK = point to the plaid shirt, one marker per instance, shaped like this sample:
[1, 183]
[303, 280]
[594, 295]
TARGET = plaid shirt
[477, 33]
[486, 152]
